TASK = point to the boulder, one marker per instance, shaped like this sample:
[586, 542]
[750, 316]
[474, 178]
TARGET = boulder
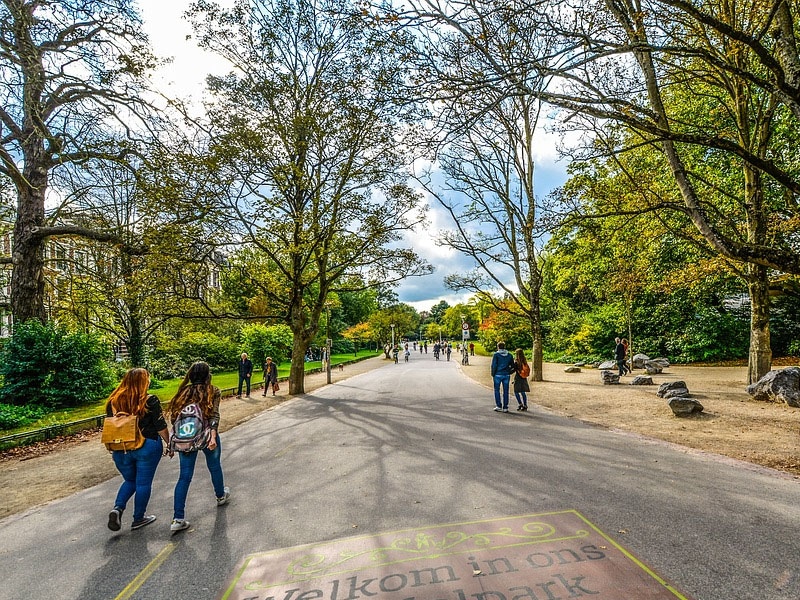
[580, 363]
[609, 364]
[652, 369]
[572, 370]
[676, 393]
[609, 378]
[639, 360]
[642, 380]
[596, 365]
[684, 407]
[661, 362]
[780, 385]
[669, 385]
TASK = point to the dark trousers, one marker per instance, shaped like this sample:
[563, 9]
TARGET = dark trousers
[244, 379]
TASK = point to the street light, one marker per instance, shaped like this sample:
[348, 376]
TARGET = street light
[464, 335]
[392, 326]
[328, 341]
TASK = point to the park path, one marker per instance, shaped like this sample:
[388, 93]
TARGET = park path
[413, 445]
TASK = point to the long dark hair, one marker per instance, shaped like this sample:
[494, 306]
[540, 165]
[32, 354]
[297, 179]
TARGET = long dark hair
[195, 388]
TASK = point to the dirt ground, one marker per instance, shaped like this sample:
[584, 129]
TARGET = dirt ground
[732, 425]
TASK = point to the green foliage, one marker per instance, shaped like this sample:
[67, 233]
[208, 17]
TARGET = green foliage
[171, 358]
[261, 341]
[16, 416]
[45, 365]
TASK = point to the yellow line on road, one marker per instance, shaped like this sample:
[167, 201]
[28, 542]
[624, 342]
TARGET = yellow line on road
[145, 573]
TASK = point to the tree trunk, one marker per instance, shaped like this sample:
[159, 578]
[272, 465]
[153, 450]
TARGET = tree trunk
[297, 370]
[537, 367]
[760, 356]
[27, 277]
[135, 342]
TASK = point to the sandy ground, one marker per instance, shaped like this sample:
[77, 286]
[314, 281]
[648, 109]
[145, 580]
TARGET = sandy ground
[731, 425]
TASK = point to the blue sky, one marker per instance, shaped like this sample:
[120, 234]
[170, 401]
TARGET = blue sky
[185, 76]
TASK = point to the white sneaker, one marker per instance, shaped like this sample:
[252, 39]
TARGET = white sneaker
[225, 496]
[178, 525]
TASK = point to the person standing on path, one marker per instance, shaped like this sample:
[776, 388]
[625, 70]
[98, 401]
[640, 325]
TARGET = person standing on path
[521, 372]
[625, 344]
[270, 376]
[137, 467]
[245, 373]
[196, 388]
[619, 356]
[502, 367]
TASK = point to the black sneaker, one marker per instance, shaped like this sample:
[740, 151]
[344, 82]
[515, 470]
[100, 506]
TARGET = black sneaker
[114, 518]
[146, 520]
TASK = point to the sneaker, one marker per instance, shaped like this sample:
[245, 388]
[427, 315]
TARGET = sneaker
[178, 525]
[525, 407]
[222, 500]
[114, 518]
[497, 409]
[505, 410]
[146, 520]
[520, 407]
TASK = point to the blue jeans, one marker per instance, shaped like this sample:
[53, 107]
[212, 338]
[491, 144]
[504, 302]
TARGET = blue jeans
[498, 381]
[188, 460]
[138, 467]
[243, 380]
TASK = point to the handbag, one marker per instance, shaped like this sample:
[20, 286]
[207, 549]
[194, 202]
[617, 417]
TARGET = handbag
[121, 432]
[275, 387]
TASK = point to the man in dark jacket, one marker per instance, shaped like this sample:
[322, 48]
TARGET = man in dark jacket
[245, 372]
[502, 367]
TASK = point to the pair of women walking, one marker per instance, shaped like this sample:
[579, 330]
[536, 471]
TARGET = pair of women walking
[138, 467]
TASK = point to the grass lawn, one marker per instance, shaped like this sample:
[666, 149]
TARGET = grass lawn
[224, 380]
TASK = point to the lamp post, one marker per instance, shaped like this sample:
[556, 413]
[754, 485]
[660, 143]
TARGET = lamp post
[328, 341]
[464, 336]
[392, 326]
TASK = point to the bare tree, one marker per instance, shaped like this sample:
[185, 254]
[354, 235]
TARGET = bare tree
[70, 73]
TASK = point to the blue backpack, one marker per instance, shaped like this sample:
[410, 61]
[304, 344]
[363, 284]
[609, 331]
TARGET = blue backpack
[191, 431]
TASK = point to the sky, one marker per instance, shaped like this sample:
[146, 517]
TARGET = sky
[184, 77]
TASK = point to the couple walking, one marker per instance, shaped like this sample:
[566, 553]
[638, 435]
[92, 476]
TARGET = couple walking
[503, 366]
[138, 467]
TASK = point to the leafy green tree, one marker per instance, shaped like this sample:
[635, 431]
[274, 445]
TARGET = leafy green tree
[309, 129]
[45, 365]
[260, 341]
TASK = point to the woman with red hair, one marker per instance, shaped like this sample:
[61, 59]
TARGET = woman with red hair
[137, 467]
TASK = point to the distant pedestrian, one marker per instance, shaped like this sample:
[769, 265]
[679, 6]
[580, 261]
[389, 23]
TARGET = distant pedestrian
[448, 350]
[196, 388]
[521, 372]
[502, 367]
[245, 373]
[137, 467]
[619, 356]
[270, 376]
[625, 360]
[471, 349]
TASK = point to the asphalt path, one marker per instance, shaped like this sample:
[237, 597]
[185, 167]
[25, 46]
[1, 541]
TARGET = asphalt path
[411, 445]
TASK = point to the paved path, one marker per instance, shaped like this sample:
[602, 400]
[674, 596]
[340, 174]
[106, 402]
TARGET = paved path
[412, 445]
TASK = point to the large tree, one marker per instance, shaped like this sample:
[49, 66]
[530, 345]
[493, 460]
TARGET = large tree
[621, 63]
[71, 77]
[309, 126]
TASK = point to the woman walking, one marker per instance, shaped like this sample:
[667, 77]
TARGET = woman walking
[137, 467]
[521, 373]
[270, 376]
[196, 389]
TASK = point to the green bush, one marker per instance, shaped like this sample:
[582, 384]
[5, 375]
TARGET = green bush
[17, 416]
[261, 341]
[45, 365]
[172, 358]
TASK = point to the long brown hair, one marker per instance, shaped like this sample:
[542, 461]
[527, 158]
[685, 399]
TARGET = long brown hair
[521, 357]
[195, 388]
[131, 393]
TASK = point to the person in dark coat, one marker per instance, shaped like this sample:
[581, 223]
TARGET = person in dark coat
[619, 356]
[245, 373]
[270, 375]
[502, 367]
